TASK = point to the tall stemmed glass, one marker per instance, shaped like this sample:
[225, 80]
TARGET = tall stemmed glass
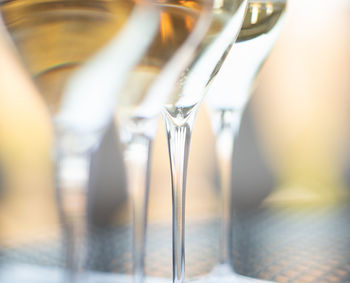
[78, 53]
[228, 94]
[180, 111]
[182, 28]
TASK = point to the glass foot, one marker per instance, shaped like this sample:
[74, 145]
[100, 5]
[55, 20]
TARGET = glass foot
[223, 273]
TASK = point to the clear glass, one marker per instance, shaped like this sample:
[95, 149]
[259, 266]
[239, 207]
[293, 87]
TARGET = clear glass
[79, 80]
[226, 98]
[146, 58]
[179, 138]
[180, 111]
[137, 160]
[182, 28]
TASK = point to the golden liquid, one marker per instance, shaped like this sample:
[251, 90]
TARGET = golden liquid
[178, 19]
[54, 37]
[261, 17]
[224, 13]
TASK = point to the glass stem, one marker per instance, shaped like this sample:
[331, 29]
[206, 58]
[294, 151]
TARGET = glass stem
[226, 129]
[137, 160]
[179, 138]
[72, 175]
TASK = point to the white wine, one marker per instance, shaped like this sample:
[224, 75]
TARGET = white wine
[226, 23]
[261, 18]
[178, 20]
[260, 29]
[54, 37]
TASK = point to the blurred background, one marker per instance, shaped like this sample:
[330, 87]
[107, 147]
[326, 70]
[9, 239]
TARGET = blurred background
[293, 148]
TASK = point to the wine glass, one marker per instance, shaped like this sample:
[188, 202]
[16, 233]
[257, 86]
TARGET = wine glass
[227, 94]
[183, 25]
[78, 53]
[181, 108]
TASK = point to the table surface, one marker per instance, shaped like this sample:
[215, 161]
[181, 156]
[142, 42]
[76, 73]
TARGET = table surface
[281, 244]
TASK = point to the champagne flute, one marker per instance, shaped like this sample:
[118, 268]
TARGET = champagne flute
[76, 53]
[228, 94]
[182, 27]
[180, 110]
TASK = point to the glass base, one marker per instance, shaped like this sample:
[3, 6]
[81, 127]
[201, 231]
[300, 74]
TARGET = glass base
[23, 273]
[223, 273]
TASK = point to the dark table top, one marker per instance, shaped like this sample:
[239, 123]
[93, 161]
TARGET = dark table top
[309, 243]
